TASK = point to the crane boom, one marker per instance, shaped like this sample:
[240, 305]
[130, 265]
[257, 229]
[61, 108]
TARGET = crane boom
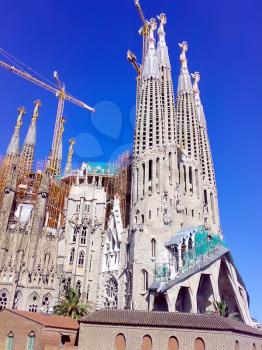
[140, 11]
[133, 60]
[42, 84]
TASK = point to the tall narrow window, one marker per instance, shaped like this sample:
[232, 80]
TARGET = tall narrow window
[191, 179]
[31, 341]
[83, 236]
[81, 259]
[75, 233]
[153, 248]
[137, 182]
[144, 180]
[237, 347]
[10, 341]
[150, 166]
[185, 176]
[72, 256]
[145, 280]
[170, 166]
[205, 197]
[157, 172]
[78, 287]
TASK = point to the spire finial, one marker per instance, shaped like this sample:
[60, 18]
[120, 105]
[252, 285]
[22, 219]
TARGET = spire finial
[162, 19]
[183, 59]
[22, 112]
[151, 68]
[196, 77]
[37, 104]
[184, 82]
[162, 50]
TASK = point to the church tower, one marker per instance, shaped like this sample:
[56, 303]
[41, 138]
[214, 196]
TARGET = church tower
[27, 154]
[211, 212]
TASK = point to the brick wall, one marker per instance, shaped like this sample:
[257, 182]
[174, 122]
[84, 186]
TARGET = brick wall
[102, 337]
[45, 338]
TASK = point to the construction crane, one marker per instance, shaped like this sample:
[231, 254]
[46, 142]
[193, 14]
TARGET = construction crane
[131, 57]
[144, 31]
[62, 95]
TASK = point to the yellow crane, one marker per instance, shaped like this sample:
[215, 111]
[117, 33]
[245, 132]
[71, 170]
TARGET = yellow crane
[131, 57]
[144, 31]
[62, 95]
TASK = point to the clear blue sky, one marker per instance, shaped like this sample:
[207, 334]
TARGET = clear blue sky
[86, 41]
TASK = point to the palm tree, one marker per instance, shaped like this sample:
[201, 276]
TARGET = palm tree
[221, 308]
[71, 306]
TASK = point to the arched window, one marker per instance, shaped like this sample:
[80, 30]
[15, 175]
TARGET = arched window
[33, 303]
[199, 344]
[144, 280]
[81, 259]
[120, 342]
[153, 248]
[173, 343]
[78, 287]
[31, 341]
[10, 341]
[146, 343]
[237, 347]
[254, 346]
[46, 302]
[75, 233]
[3, 299]
[83, 236]
[72, 256]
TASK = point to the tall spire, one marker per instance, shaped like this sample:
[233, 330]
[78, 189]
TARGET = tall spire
[13, 147]
[167, 88]
[27, 155]
[151, 68]
[162, 50]
[184, 81]
[206, 161]
[149, 118]
[199, 106]
[68, 167]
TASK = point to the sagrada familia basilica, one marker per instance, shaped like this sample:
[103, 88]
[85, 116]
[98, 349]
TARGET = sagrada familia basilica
[143, 234]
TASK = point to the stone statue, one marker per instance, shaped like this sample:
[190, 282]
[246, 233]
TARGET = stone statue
[183, 59]
[196, 77]
[162, 19]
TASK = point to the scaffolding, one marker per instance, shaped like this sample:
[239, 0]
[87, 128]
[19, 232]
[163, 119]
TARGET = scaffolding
[58, 193]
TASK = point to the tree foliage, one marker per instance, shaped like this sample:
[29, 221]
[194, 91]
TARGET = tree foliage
[71, 306]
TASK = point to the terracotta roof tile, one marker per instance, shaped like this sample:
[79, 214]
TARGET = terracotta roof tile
[169, 320]
[51, 321]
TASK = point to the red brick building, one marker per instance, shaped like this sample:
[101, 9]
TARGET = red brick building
[23, 330]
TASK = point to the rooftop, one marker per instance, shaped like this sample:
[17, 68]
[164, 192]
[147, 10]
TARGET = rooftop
[50, 321]
[170, 320]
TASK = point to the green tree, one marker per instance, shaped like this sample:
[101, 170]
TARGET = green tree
[221, 309]
[71, 306]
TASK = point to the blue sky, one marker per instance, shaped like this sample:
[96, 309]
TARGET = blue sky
[86, 41]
